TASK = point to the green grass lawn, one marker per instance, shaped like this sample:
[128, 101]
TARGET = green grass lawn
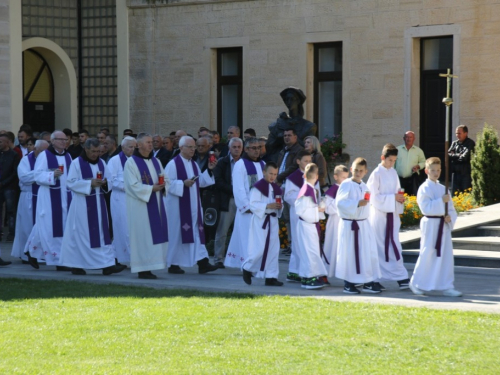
[73, 328]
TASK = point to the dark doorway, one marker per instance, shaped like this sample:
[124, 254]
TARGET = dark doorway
[436, 58]
[38, 93]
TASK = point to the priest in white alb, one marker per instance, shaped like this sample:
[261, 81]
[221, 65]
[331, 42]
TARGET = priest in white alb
[147, 223]
[247, 171]
[54, 199]
[185, 225]
[26, 209]
[116, 183]
[86, 242]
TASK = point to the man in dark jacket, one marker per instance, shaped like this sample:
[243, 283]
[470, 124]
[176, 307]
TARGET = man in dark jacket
[224, 184]
[286, 158]
[9, 160]
[460, 153]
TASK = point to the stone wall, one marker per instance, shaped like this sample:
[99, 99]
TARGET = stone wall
[5, 81]
[171, 65]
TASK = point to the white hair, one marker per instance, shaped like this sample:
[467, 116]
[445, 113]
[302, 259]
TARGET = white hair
[184, 138]
[53, 135]
[235, 139]
[40, 142]
[127, 139]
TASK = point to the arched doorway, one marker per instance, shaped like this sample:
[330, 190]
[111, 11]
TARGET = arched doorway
[38, 92]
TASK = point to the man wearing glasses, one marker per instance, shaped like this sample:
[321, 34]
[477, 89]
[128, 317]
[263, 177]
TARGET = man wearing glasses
[247, 171]
[51, 171]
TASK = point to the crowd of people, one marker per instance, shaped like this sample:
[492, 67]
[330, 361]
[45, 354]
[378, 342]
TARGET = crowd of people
[154, 202]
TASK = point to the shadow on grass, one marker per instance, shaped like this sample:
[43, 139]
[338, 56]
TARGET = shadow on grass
[19, 289]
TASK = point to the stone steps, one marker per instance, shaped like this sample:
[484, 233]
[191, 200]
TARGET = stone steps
[489, 230]
[463, 257]
[482, 243]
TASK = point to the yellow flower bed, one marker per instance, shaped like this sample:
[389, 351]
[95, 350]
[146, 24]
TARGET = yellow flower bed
[411, 216]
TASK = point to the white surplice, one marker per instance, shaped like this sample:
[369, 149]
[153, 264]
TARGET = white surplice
[237, 249]
[257, 236]
[185, 255]
[41, 242]
[121, 237]
[433, 272]
[76, 250]
[24, 217]
[144, 255]
[307, 240]
[383, 185]
[331, 235]
[348, 197]
[291, 193]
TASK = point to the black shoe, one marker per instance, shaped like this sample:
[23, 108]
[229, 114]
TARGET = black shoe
[113, 269]
[4, 263]
[32, 261]
[247, 277]
[404, 284]
[24, 262]
[351, 289]
[380, 286]
[220, 265]
[147, 275]
[78, 271]
[273, 282]
[204, 266]
[371, 288]
[62, 268]
[176, 269]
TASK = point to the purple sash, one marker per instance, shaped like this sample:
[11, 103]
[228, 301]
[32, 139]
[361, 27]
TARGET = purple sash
[332, 192]
[308, 191]
[250, 166]
[355, 228]
[185, 204]
[91, 200]
[440, 233]
[157, 217]
[55, 194]
[123, 159]
[389, 236]
[297, 178]
[34, 186]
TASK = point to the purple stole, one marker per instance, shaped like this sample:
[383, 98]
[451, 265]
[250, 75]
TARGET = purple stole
[157, 216]
[308, 191]
[55, 194]
[123, 158]
[263, 186]
[252, 171]
[332, 192]
[92, 216]
[185, 204]
[34, 186]
[297, 178]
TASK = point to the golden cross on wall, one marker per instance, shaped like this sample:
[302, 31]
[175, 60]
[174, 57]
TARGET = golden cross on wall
[448, 76]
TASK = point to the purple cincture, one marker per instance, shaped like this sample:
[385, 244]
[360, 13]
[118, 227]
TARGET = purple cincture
[440, 233]
[34, 186]
[389, 237]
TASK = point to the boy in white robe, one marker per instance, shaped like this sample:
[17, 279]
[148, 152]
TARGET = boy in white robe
[293, 184]
[307, 208]
[263, 239]
[435, 265]
[357, 259]
[340, 173]
[86, 242]
[386, 206]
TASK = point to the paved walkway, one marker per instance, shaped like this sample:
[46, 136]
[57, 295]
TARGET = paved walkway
[481, 286]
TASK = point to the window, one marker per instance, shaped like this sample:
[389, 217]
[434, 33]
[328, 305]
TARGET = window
[229, 89]
[328, 88]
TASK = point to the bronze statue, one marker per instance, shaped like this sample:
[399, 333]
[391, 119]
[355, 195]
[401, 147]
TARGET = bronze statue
[293, 98]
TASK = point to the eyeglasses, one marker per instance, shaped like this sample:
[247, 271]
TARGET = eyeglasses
[255, 148]
[190, 147]
[60, 139]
